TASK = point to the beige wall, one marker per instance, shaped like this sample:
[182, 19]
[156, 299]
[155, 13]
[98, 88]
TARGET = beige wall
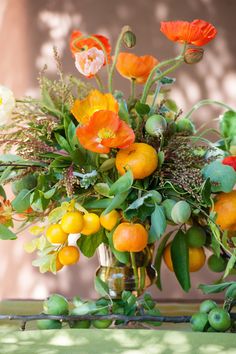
[29, 29]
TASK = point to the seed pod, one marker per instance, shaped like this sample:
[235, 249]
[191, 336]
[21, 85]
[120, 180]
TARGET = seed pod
[129, 39]
[193, 55]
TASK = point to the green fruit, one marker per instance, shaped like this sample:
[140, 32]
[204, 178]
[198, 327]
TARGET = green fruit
[49, 324]
[185, 125]
[219, 319]
[80, 324]
[199, 322]
[28, 182]
[155, 125]
[102, 323]
[56, 305]
[196, 236]
[216, 264]
[181, 212]
[153, 312]
[207, 305]
[231, 292]
[211, 329]
[171, 105]
[168, 205]
[118, 310]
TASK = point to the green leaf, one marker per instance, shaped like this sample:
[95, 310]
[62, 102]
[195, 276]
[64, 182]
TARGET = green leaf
[230, 264]
[2, 193]
[154, 195]
[142, 108]
[89, 244]
[71, 135]
[158, 259]
[49, 194]
[61, 162]
[57, 213]
[167, 80]
[123, 184]
[22, 201]
[216, 238]
[38, 202]
[6, 234]
[116, 202]
[123, 110]
[48, 103]
[96, 203]
[123, 257]
[84, 308]
[228, 124]
[10, 158]
[6, 173]
[63, 142]
[101, 287]
[158, 224]
[103, 189]
[214, 288]
[180, 260]
[161, 158]
[222, 177]
[206, 192]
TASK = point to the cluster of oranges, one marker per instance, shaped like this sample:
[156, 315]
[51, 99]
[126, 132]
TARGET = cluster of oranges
[75, 222]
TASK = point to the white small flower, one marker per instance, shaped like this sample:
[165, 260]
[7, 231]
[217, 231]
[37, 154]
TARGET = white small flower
[89, 62]
[7, 104]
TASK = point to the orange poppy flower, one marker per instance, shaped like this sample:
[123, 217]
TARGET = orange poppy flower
[105, 130]
[78, 45]
[95, 101]
[133, 67]
[197, 32]
[5, 210]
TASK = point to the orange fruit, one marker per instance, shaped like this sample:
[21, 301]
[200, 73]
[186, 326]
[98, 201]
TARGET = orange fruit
[55, 234]
[59, 266]
[197, 258]
[72, 222]
[68, 255]
[129, 237]
[109, 220]
[225, 206]
[91, 224]
[140, 158]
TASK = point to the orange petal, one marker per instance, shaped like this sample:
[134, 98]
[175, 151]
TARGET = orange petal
[90, 141]
[124, 137]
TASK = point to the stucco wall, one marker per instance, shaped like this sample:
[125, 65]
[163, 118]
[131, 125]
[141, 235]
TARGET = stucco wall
[29, 29]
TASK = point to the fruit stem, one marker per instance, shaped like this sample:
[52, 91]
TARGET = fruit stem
[134, 266]
[206, 102]
[133, 83]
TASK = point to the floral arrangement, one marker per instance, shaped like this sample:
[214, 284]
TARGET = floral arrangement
[88, 166]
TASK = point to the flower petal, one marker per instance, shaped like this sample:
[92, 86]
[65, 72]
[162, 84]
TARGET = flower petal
[124, 137]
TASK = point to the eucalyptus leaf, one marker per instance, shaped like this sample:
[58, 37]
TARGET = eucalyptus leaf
[230, 264]
[222, 177]
[214, 288]
[89, 244]
[116, 202]
[158, 224]
[63, 142]
[6, 234]
[22, 201]
[103, 189]
[142, 108]
[123, 184]
[101, 287]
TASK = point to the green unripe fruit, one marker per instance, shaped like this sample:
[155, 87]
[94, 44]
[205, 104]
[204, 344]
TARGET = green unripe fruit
[56, 305]
[102, 323]
[171, 105]
[219, 319]
[196, 236]
[129, 39]
[199, 322]
[216, 264]
[155, 125]
[80, 324]
[168, 205]
[185, 125]
[28, 182]
[181, 212]
[207, 305]
[49, 324]
[231, 292]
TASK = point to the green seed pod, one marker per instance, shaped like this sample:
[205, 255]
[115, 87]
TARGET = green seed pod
[185, 125]
[181, 212]
[107, 165]
[155, 125]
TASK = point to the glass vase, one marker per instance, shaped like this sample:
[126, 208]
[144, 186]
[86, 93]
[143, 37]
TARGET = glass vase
[119, 276]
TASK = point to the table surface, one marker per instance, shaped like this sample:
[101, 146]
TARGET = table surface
[169, 338]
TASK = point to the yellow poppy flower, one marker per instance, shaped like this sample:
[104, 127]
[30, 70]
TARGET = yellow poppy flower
[95, 101]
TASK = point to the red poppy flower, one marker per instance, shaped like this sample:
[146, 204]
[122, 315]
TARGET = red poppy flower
[197, 32]
[78, 45]
[230, 161]
[105, 130]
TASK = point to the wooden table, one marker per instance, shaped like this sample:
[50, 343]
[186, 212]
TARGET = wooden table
[169, 338]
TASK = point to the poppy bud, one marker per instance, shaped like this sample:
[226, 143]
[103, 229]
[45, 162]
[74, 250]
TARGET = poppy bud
[193, 55]
[129, 39]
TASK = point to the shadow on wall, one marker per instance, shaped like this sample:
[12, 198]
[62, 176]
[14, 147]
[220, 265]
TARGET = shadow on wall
[39, 25]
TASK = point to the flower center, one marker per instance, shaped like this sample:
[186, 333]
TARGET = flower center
[106, 133]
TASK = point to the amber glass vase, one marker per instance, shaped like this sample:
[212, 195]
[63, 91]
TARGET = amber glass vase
[120, 276]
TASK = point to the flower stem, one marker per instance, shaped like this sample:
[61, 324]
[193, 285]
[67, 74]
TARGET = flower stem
[134, 266]
[206, 102]
[117, 50]
[178, 60]
[99, 82]
[133, 85]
